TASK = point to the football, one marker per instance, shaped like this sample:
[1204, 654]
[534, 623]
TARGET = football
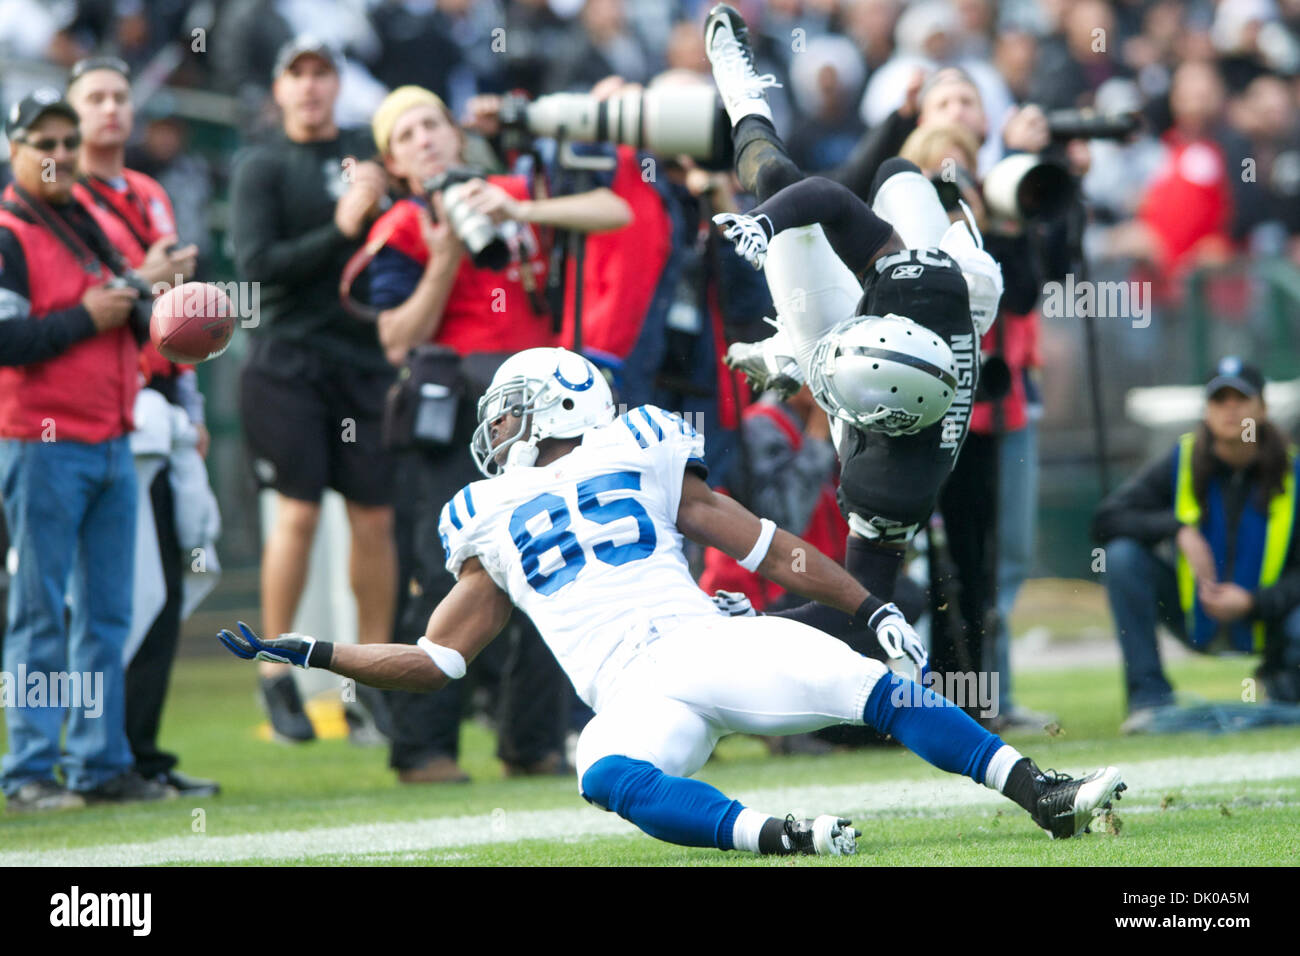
[192, 322]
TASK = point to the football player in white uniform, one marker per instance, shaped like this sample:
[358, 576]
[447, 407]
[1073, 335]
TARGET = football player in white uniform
[580, 526]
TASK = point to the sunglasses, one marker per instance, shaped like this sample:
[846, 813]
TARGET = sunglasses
[70, 143]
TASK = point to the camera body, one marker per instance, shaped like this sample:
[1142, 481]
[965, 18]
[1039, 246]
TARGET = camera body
[482, 238]
[141, 309]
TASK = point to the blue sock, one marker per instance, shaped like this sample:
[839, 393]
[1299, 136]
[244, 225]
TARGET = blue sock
[673, 809]
[932, 727]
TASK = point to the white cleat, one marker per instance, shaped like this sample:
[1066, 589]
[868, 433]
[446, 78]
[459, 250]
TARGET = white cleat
[726, 43]
[767, 364]
[827, 835]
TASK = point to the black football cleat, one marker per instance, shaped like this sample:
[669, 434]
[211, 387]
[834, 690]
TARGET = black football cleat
[825, 836]
[289, 720]
[1066, 805]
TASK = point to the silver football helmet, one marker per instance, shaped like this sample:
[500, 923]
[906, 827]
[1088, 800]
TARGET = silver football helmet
[884, 374]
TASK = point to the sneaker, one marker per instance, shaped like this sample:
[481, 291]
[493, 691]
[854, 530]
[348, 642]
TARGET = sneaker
[1142, 720]
[43, 795]
[289, 721]
[552, 765]
[824, 836]
[1066, 806]
[188, 786]
[129, 787]
[436, 770]
[1021, 718]
[747, 234]
[726, 43]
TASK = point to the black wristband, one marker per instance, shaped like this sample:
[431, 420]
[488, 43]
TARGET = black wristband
[867, 609]
[321, 654]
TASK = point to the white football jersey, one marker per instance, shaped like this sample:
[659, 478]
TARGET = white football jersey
[587, 546]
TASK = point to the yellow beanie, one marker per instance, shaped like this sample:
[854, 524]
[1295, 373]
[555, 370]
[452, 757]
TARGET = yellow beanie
[394, 105]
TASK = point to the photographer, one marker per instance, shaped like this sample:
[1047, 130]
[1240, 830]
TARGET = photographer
[312, 392]
[100, 90]
[427, 288]
[69, 347]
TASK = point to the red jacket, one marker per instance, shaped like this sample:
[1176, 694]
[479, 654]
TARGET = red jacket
[147, 214]
[622, 268]
[486, 311]
[87, 393]
[827, 532]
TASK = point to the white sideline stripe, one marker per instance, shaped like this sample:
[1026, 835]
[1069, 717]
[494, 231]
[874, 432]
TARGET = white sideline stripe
[1148, 781]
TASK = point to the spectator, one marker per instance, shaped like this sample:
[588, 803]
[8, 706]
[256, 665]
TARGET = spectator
[928, 35]
[1074, 63]
[599, 45]
[185, 175]
[1225, 495]
[68, 382]
[312, 392]
[427, 290]
[100, 90]
[826, 81]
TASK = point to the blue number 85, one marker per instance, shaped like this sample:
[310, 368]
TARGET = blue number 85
[532, 547]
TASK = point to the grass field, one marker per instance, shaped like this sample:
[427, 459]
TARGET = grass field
[1193, 799]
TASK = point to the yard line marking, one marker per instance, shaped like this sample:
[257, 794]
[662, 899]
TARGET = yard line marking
[1148, 781]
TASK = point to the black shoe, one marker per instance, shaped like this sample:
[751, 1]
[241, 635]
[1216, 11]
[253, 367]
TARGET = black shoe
[129, 787]
[289, 722]
[825, 836]
[188, 786]
[370, 723]
[1066, 806]
[43, 795]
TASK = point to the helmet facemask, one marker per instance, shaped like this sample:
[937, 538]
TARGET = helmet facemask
[518, 399]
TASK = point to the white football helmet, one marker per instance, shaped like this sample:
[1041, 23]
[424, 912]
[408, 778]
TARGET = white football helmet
[554, 393]
[884, 374]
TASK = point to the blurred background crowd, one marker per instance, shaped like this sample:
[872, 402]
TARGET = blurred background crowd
[203, 71]
[1200, 204]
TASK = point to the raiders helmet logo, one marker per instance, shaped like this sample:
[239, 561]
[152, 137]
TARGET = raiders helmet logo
[911, 271]
[897, 422]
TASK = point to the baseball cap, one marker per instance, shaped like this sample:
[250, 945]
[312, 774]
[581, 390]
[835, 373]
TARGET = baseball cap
[1232, 372]
[26, 112]
[301, 46]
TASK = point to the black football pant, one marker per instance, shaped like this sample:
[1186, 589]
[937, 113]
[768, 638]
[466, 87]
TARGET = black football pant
[149, 673]
[532, 692]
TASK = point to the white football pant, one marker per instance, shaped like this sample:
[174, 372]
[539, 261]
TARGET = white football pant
[714, 676]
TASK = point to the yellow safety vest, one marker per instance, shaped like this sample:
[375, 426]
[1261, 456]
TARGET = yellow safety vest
[1277, 537]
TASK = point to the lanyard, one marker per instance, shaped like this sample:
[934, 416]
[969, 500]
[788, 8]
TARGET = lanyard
[91, 257]
[136, 202]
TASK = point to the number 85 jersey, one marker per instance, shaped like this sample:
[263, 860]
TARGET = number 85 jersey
[587, 546]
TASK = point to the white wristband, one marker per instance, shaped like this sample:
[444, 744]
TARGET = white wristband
[751, 561]
[448, 659]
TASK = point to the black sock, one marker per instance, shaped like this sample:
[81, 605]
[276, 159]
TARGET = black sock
[1022, 784]
[771, 839]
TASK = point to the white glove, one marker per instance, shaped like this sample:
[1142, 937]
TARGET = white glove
[898, 638]
[733, 604]
[748, 235]
[982, 273]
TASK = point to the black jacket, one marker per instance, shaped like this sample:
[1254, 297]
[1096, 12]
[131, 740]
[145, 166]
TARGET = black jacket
[1143, 509]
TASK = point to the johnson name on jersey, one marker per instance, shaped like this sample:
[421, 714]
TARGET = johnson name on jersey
[587, 546]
